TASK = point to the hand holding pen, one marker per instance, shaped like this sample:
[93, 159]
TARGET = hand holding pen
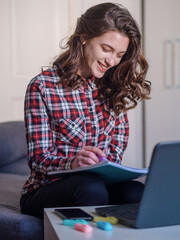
[88, 155]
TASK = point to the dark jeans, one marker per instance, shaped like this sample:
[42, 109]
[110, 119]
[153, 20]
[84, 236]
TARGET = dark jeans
[85, 189]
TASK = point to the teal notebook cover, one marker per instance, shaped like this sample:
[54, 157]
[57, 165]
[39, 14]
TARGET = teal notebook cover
[110, 172]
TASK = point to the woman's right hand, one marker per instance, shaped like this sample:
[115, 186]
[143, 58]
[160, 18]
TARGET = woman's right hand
[88, 155]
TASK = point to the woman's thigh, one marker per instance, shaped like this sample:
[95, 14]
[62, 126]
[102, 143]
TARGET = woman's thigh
[77, 190]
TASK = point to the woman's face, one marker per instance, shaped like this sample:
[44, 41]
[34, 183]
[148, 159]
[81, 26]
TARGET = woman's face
[102, 53]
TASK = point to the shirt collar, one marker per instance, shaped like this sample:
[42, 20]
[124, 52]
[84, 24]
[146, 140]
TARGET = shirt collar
[89, 80]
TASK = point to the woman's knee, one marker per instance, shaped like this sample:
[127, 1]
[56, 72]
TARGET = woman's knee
[125, 192]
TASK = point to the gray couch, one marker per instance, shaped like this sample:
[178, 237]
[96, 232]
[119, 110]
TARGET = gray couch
[13, 173]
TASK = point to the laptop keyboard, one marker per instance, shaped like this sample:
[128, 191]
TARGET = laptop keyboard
[120, 211]
[129, 214]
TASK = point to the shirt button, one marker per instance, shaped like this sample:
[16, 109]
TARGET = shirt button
[91, 109]
[72, 125]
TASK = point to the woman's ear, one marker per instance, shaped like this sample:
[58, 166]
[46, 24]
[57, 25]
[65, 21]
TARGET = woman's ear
[83, 39]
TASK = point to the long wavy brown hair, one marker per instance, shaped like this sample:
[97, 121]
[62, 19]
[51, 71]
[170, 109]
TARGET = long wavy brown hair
[124, 85]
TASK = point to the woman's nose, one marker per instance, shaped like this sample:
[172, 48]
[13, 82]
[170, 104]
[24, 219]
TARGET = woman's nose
[110, 61]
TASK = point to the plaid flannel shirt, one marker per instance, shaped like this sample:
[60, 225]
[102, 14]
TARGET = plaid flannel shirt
[60, 121]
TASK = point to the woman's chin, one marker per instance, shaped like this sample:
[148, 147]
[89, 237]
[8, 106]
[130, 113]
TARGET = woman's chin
[98, 74]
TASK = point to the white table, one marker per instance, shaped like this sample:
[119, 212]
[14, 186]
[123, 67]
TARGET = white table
[55, 230]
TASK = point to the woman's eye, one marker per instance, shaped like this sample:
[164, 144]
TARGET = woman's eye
[105, 49]
[119, 56]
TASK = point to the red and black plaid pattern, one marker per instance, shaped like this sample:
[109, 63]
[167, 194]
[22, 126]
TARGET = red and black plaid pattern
[60, 121]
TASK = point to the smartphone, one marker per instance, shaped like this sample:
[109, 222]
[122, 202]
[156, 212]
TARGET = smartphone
[73, 213]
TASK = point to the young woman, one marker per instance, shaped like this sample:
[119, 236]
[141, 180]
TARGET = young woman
[75, 112]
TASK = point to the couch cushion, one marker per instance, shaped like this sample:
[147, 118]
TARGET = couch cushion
[10, 189]
[17, 226]
[13, 224]
[19, 167]
[12, 142]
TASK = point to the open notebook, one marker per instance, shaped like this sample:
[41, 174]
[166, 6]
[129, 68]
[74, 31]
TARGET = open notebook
[110, 172]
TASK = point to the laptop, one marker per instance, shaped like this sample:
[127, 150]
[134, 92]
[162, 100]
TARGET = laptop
[160, 203]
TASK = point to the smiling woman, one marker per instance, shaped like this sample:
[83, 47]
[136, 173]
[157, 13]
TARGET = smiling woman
[75, 112]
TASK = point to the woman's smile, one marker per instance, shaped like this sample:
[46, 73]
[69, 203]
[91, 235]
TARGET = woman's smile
[102, 67]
